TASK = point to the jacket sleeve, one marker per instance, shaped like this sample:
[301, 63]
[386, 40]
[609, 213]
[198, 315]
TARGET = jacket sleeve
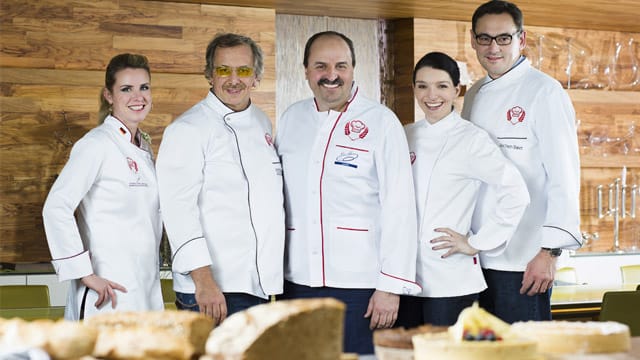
[556, 131]
[399, 234]
[70, 259]
[179, 168]
[486, 163]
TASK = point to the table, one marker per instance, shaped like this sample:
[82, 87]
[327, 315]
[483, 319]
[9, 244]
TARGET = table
[581, 301]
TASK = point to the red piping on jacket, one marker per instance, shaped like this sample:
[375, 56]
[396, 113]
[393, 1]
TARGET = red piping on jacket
[324, 158]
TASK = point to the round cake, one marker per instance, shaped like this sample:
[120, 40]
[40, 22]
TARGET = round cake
[395, 344]
[572, 337]
[442, 347]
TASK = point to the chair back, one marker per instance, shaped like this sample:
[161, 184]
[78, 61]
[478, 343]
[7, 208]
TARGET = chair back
[623, 307]
[630, 274]
[24, 296]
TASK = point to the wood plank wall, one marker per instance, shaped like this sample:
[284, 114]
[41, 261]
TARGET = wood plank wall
[52, 63]
[612, 110]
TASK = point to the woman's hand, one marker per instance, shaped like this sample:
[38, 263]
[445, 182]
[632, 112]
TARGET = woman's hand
[105, 289]
[454, 242]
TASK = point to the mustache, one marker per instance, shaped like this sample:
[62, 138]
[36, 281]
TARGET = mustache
[324, 81]
[238, 86]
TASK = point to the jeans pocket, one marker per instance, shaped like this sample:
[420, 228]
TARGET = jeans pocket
[186, 302]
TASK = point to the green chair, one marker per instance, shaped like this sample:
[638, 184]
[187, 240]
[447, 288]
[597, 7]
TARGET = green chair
[168, 294]
[630, 274]
[24, 296]
[623, 307]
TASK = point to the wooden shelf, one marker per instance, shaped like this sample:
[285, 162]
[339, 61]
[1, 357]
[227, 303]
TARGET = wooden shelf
[610, 161]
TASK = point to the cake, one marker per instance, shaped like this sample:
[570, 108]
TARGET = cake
[395, 344]
[477, 335]
[302, 329]
[571, 337]
[59, 339]
[169, 334]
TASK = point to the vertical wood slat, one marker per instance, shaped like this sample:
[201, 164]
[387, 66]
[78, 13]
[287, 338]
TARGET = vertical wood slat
[52, 60]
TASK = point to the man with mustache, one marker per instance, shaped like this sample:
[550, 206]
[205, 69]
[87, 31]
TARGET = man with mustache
[351, 215]
[220, 183]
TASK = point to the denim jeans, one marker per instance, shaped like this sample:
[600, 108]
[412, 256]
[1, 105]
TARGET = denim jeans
[444, 311]
[358, 338]
[235, 302]
[503, 299]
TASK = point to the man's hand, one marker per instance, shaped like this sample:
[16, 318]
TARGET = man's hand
[208, 295]
[383, 309]
[105, 289]
[455, 242]
[538, 277]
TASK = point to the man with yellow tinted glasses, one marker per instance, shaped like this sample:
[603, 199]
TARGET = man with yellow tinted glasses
[220, 183]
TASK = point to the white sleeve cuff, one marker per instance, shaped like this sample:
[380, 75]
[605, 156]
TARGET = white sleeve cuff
[397, 285]
[191, 255]
[74, 267]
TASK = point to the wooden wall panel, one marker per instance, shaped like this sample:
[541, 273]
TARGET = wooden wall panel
[52, 60]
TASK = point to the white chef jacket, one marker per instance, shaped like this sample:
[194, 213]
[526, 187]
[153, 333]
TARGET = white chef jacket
[111, 185]
[221, 196]
[450, 160]
[532, 120]
[350, 204]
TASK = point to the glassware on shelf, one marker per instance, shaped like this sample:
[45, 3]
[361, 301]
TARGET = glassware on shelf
[624, 66]
[554, 48]
[581, 63]
[599, 76]
[597, 140]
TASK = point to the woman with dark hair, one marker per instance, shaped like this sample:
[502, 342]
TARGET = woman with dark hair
[110, 248]
[451, 160]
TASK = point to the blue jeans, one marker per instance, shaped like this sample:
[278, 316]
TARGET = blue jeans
[444, 311]
[358, 338]
[235, 302]
[503, 299]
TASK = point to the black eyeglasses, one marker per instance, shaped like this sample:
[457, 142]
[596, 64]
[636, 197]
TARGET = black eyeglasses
[502, 39]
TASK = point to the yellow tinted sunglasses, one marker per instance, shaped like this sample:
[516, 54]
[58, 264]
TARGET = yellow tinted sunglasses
[241, 71]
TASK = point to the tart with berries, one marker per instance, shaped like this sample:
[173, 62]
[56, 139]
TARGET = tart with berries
[477, 335]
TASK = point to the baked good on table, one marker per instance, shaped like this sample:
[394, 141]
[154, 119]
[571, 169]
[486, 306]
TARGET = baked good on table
[477, 335]
[60, 339]
[168, 334]
[573, 337]
[395, 344]
[301, 329]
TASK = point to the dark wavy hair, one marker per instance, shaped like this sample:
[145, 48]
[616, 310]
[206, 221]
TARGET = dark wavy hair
[498, 7]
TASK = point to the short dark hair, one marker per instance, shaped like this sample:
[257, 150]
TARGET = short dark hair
[227, 40]
[440, 61]
[498, 7]
[313, 38]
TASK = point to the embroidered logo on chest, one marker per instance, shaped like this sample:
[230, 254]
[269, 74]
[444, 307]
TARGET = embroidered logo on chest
[515, 115]
[356, 129]
[133, 166]
[269, 139]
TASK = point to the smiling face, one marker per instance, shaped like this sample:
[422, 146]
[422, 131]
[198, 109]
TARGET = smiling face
[233, 90]
[435, 93]
[498, 59]
[130, 97]
[329, 72]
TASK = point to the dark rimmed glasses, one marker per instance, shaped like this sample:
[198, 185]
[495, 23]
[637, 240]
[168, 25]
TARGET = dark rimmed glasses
[501, 39]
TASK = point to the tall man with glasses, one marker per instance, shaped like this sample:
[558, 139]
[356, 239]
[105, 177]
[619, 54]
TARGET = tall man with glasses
[532, 119]
[220, 183]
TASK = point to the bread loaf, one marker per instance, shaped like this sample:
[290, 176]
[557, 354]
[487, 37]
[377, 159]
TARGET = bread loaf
[303, 329]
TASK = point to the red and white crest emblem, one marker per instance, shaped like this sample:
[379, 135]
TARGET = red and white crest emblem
[269, 139]
[412, 156]
[133, 166]
[515, 115]
[356, 129]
